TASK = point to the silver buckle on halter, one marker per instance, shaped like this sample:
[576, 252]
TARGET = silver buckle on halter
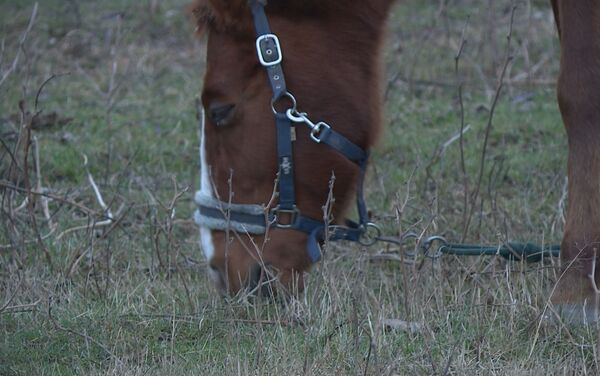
[268, 50]
[315, 133]
[277, 214]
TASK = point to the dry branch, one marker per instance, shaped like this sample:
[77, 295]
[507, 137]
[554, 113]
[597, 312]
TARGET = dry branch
[499, 86]
[82, 335]
[21, 45]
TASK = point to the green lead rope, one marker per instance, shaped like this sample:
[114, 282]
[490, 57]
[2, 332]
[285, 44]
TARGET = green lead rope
[511, 251]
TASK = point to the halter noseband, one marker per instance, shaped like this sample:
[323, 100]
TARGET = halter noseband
[255, 219]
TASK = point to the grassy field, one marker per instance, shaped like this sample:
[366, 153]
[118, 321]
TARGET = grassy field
[116, 83]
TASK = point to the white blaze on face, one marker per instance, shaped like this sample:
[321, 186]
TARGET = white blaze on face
[206, 240]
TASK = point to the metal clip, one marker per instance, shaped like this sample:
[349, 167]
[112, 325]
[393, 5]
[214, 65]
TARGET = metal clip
[426, 246]
[317, 129]
[302, 117]
[297, 117]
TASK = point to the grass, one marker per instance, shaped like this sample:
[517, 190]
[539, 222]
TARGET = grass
[135, 299]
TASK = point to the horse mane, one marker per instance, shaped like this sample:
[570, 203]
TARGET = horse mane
[234, 15]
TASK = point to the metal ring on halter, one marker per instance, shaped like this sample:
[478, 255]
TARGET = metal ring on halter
[288, 95]
[426, 246]
[367, 239]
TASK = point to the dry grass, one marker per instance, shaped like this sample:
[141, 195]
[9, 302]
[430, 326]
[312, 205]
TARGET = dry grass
[109, 280]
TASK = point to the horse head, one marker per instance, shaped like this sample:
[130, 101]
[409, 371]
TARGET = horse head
[330, 56]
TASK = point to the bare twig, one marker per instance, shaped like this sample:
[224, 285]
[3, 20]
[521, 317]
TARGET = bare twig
[10, 154]
[500, 84]
[592, 275]
[463, 167]
[83, 208]
[548, 304]
[97, 193]
[30, 196]
[39, 187]
[99, 224]
[21, 45]
[82, 335]
[170, 225]
[25, 242]
[22, 308]
[41, 88]
[10, 299]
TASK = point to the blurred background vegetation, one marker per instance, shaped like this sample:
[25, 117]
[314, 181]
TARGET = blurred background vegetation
[105, 91]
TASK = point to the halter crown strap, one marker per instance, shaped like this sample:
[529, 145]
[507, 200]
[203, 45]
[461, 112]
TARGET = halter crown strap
[268, 49]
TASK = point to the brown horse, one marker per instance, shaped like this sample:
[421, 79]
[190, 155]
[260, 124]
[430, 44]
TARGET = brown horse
[331, 64]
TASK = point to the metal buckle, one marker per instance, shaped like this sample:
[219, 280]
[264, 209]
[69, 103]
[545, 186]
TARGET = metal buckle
[292, 214]
[316, 131]
[268, 50]
[371, 235]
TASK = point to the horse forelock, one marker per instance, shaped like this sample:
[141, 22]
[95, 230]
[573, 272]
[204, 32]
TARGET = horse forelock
[232, 15]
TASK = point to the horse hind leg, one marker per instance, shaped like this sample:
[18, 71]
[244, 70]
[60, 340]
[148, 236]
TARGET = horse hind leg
[577, 293]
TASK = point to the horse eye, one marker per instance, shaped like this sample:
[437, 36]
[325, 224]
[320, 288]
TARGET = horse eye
[221, 114]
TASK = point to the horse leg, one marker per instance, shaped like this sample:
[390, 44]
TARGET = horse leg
[576, 292]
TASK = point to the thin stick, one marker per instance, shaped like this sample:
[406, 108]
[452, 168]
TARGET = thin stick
[10, 153]
[549, 303]
[84, 227]
[30, 197]
[99, 198]
[82, 335]
[507, 60]
[5, 306]
[15, 62]
[592, 275]
[46, 82]
[85, 209]
[39, 187]
[462, 127]
[22, 308]
[25, 242]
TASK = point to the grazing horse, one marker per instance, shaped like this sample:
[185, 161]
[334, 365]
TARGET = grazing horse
[331, 53]
[331, 63]
[579, 102]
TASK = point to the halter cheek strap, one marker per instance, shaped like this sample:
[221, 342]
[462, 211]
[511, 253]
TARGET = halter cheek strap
[255, 219]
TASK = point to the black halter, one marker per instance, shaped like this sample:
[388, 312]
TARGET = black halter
[286, 215]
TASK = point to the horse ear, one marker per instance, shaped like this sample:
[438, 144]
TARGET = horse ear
[202, 15]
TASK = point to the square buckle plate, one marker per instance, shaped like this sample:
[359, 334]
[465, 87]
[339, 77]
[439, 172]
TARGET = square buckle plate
[278, 216]
[268, 50]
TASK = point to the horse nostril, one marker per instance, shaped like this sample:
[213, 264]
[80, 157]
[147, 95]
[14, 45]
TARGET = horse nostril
[216, 276]
[260, 280]
[221, 114]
